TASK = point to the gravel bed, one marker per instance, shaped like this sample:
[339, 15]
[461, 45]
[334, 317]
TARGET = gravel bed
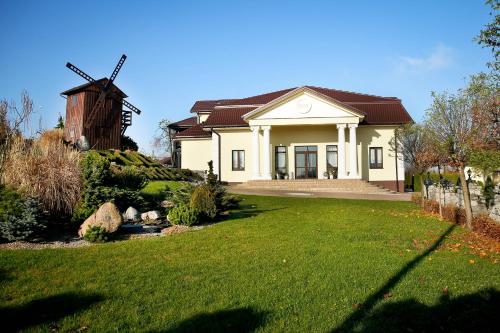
[146, 232]
[74, 243]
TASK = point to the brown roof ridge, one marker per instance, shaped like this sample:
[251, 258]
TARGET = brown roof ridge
[353, 92]
[88, 84]
[217, 102]
[376, 102]
[237, 106]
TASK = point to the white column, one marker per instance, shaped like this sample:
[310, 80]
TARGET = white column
[341, 150]
[215, 152]
[255, 153]
[353, 152]
[266, 174]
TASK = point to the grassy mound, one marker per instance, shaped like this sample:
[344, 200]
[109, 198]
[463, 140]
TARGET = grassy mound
[151, 168]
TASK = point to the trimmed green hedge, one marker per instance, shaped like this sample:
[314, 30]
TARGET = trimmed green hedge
[152, 169]
[450, 176]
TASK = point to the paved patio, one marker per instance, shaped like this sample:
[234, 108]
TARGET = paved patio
[304, 194]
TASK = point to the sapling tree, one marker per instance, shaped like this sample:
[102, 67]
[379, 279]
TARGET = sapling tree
[164, 139]
[413, 147]
[453, 134]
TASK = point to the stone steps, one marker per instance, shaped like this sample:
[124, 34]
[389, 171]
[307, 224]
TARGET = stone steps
[315, 185]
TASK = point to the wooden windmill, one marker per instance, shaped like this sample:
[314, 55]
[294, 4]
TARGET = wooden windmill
[94, 111]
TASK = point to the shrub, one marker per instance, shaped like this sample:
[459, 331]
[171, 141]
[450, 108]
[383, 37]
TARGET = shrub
[453, 214]
[129, 177]
[23, 223]
[127, 143]
[223, 200]
[103, 182]
[96, 234]
[10, 201]
[431, 206]
[45, 169]
[486, 226]
[183, 214]
[203, 202]
[416, 197]
[81, 213]
[489, 192]
[95, 169]
[230, 201]
[180, 195]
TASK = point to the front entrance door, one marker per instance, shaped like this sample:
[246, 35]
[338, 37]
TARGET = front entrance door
[306, 162]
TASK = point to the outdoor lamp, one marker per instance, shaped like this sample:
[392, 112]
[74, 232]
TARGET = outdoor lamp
[469, 173]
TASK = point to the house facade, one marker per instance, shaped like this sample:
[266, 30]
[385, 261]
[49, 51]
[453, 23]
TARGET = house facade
[298, 133]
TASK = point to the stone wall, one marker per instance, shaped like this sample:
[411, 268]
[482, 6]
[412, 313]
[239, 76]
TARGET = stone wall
[454, 196]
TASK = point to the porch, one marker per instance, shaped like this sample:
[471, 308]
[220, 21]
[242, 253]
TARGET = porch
[305, 152]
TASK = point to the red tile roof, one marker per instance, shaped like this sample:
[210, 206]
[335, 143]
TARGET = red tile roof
[378, 110]
[383, 113]
[193, 132]
[188, 122]
[209, 105]
[228, 117]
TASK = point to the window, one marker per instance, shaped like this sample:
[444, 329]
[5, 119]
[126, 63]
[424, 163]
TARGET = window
[376, 161]
[238, 160]
[74, 100]
[280, 160]
[331, 157]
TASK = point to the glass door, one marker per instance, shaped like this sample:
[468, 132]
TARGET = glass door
[306, 162]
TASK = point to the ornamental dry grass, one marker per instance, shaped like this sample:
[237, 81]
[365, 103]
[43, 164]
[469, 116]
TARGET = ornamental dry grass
[46, 169]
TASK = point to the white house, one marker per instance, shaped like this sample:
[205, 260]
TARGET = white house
[305, 132]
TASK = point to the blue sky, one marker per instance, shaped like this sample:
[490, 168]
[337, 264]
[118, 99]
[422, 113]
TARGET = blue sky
[179, 52]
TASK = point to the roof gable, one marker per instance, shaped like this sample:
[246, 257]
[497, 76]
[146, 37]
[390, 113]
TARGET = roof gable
[304, 103]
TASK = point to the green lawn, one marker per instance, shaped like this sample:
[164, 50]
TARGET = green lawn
[278, 264]
[153, 187]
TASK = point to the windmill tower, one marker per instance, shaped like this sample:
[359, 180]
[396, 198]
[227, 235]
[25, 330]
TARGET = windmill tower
[94, 111]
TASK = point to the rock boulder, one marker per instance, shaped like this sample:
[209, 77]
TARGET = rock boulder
[131, 214]
[107, 217]
[151, 215]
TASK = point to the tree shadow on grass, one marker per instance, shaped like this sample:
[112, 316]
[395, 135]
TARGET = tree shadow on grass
[357, 317]
[240, 320]
[246, 211]
[44, 310]
[476, 313]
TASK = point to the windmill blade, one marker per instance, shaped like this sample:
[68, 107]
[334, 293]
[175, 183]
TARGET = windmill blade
[80, 72]
[117, 69]
[131, 107]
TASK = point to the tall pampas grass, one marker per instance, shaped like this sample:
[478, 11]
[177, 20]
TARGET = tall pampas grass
[47, 169]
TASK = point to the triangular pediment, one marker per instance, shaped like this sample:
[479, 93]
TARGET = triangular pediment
[303, 103]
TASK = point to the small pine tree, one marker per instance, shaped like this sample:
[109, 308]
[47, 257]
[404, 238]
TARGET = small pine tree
[60, 123]
[211, 177]
[489, 192]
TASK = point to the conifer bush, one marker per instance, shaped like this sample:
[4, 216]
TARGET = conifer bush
[202, 201]
[184, 215]
[23, 222]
